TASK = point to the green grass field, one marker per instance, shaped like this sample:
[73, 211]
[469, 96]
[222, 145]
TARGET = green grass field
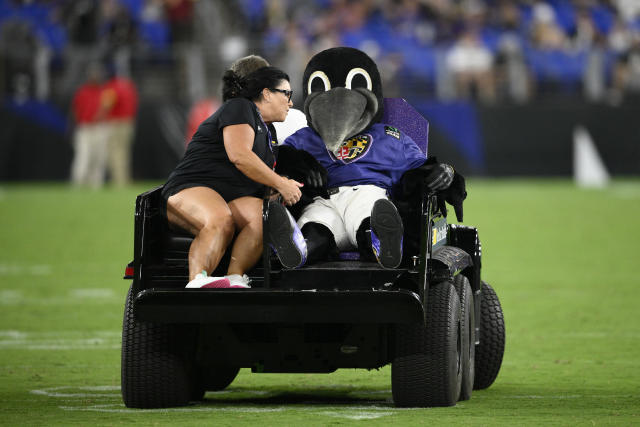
[562, 260]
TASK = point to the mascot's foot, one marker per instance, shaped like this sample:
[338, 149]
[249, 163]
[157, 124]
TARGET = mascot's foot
[386, 233]
[285, 237]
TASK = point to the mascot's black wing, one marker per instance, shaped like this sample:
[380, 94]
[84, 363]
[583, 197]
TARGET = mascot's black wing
[454, 195]
[439, 177]
[302, 167]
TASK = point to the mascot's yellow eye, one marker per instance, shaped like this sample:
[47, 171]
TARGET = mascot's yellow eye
[358, 77]
[318, 82]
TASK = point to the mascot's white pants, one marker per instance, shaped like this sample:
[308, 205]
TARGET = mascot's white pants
[343, 212]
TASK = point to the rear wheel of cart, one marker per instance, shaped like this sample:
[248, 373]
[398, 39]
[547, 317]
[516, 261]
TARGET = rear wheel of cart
[156, 370]
[427, 368]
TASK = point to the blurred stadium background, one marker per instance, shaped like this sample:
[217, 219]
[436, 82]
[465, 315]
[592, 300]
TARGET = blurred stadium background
[504, 83]
[547, 75]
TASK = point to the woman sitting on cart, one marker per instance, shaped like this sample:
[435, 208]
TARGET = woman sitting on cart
[216, 190]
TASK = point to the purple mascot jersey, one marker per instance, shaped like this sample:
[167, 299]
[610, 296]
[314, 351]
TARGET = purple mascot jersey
[378, 156]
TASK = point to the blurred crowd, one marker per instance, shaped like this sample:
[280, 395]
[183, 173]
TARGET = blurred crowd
[485, 50]
[489, 50]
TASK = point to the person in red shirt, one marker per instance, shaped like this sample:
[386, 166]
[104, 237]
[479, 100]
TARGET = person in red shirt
[200, 111]
[90, 133]
[120, 105]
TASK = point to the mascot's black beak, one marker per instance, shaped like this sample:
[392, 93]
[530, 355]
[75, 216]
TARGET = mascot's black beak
[340, 113]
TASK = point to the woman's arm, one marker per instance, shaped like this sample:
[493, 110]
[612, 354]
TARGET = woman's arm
[238, 143]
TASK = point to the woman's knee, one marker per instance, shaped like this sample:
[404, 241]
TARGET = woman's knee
[247, 212]
[221, 224]
[197, 208]
[254, 219]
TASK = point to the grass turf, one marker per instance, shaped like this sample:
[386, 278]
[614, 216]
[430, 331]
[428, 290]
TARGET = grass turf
[562, 261]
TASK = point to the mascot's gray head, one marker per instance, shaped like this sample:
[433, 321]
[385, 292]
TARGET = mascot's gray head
[342, 94]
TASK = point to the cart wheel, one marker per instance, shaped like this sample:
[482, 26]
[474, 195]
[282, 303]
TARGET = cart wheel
[155, 370]
[467, 319]
[426, 370]
[492, 336]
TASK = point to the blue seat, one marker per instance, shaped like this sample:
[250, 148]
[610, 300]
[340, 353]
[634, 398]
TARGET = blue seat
[400, 114]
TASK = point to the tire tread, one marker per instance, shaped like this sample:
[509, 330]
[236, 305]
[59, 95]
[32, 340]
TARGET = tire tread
[420, 372]
[490, 351]
[154, 372]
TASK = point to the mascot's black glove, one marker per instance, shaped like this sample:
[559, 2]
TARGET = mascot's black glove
[435, 176]
[302, 167]
[440, 178]
[454, 195]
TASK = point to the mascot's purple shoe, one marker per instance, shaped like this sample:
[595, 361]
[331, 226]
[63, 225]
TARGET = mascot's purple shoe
[386, 233]
[285, 237]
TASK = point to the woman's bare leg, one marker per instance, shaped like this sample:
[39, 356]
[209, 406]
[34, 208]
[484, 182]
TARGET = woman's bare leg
[247, 249]
[204, 213]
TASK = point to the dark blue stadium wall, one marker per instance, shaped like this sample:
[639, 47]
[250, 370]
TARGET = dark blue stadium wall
[531, 140]
[33, 150]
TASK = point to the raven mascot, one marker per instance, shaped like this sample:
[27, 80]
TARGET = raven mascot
[364, 164]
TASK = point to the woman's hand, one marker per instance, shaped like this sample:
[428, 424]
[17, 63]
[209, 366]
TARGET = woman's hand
[238, 143]
[290, 191]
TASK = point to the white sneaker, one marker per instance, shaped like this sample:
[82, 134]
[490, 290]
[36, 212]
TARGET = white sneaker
[202, 281]
[238, 281]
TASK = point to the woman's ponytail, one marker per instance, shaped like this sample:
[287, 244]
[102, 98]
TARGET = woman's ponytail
[232, 85]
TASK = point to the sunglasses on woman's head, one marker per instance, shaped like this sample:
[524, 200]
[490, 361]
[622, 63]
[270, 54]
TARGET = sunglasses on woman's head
[287, 93]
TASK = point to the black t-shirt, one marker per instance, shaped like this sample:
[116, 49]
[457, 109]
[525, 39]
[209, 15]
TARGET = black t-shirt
[206, 161]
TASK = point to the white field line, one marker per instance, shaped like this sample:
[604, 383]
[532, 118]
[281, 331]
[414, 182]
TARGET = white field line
[72, 297]
[99, 293]
[10, 297]
[559, 397]
[251, 392]
[107, 393]
[351, 412]
[71, 391]
[25, 270]
[98, 391]
[120, 408]
[533, 397]
[599, 334]
[362, 415]
[62, 340]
